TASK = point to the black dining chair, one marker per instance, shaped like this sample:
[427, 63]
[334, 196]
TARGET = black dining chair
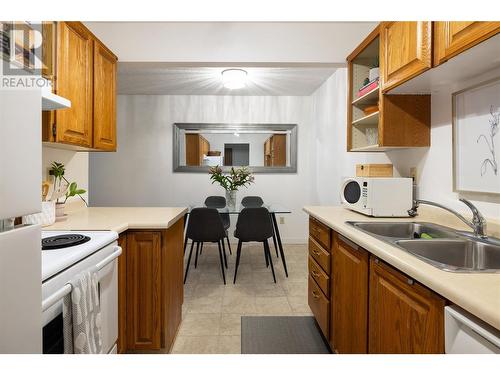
[205, 225]
[217, 201]
[256, 201]
[254, 225]
[252, 201]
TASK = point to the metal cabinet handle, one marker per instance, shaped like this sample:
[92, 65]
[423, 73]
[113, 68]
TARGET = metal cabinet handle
[315, 295]
[410, 281]
[315, 273]
[315, 252]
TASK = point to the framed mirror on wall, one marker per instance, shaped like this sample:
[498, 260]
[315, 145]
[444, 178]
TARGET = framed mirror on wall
[262, 148]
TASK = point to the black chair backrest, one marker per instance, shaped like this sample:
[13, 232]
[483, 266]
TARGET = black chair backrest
[252, 201]
[254, 224]
[205, 225]
[215, 201]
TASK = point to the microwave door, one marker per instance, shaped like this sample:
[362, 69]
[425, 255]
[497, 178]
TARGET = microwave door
[20, 290]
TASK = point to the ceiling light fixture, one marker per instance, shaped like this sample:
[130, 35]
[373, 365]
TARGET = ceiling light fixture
[234, 78]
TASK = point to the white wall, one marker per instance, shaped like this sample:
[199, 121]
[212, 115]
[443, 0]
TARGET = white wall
[434, 164]
[232, 42]
[77, 166]
[140, 172]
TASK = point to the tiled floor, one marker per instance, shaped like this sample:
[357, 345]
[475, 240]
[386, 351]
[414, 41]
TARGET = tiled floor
[212, 311]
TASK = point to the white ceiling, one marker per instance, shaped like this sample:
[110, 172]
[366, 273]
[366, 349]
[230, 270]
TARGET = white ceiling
[155, 79]
[232, 42]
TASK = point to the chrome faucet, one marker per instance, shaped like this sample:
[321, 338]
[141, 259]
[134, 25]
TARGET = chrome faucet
[478, 223]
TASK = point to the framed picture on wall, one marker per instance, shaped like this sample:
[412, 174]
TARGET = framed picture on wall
[476, 138]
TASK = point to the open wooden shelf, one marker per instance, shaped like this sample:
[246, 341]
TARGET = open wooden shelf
[402, 121]
[370, 98]
[369, 120]
[374, 147]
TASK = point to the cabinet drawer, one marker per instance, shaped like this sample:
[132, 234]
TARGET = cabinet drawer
[320, 306]
[320, 232]
[320, 255]
[321, 278]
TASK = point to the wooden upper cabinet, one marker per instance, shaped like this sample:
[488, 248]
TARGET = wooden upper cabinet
[74, 82]
[454, 37]
[104, 98]
[349, 300]
[405, 51]
[144, 290]
[404, 317]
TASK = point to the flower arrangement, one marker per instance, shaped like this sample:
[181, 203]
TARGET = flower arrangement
[232, 181]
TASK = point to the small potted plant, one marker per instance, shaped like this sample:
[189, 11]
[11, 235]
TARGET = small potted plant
[235, 179]
[62, 187]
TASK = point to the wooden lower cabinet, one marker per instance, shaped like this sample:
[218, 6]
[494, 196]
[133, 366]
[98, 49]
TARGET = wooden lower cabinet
[349, 315]
[320, 306]
[122, 295]
[150, 289]
[363, 305]
[404, 317]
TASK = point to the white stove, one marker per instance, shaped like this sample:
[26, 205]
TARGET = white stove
[93, 249]
[57, 260]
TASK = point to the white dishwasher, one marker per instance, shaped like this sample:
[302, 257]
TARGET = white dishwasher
[466, 334]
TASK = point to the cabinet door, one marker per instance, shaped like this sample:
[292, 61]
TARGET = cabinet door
[144, 290]
[405, 51]
[173, 261]
[349, 322]
[74, 82]
[404, 317]
[122, 295]
[454, 37]
[104, 98]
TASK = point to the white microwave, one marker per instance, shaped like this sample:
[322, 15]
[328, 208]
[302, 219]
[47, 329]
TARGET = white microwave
[378, 196]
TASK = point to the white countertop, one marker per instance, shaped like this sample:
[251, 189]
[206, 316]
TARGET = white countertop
[119, 219]
[477, 293]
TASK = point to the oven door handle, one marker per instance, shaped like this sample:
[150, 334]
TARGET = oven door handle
[66, 289]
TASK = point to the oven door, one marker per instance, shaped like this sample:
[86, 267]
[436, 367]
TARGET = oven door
[53, 336]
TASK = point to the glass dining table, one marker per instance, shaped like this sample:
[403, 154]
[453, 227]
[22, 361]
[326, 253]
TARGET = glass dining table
[273, 209]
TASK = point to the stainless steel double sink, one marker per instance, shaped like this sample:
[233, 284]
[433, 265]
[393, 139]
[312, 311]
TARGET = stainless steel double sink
[442, 247]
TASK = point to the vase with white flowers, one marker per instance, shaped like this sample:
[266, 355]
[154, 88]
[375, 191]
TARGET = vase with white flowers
[231, 181]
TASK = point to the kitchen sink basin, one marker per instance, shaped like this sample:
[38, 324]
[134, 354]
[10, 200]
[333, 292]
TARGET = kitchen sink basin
[404, 230]
[455, 255]
[442, 247]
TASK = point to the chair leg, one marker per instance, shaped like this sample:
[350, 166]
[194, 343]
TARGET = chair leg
[197, 252]
[238, 254]
[224, 251]
[267, 259]
[229, 245]
[201, 248]
[221, 263]
[275, 245]
[268, 252]
[189, 261]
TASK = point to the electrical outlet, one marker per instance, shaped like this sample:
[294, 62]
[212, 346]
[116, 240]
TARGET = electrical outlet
[413, 175]
[282, 220]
